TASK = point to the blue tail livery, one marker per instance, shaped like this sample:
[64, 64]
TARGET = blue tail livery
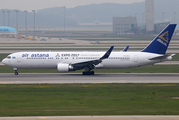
[160, 44]
[125, 49]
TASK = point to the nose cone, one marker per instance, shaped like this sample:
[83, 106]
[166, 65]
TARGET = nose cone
[4, 61]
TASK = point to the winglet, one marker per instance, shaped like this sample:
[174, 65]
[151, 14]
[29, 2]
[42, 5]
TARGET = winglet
[125, 49]
[107, 54]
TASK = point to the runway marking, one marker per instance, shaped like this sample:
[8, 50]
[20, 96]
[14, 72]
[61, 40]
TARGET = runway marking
[10, 82]
[111, 81]
[174, 97]
[161, 85]
[42, 117]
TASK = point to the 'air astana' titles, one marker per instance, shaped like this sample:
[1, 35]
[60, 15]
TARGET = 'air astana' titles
[35, 55]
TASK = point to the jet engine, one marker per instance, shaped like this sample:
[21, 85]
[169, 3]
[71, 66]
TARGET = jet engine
[63, 67]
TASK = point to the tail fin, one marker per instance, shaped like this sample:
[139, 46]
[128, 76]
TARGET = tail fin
[125, 49]
[160, 44]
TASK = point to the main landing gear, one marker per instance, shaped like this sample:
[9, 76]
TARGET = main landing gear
[16, 73]
[88, 73]
[88, 70]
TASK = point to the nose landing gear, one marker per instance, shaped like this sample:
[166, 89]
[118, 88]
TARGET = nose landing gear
[15, 69]
[16, 73]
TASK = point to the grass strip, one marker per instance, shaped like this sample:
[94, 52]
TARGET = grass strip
[145, 69]
[88, 99]
[2, 56]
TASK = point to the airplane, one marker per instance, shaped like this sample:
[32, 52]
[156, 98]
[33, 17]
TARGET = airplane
[72, 61]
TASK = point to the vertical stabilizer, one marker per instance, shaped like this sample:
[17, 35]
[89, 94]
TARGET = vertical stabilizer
[160, 44]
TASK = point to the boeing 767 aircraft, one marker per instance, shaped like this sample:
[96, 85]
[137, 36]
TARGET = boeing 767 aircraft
[71, 61]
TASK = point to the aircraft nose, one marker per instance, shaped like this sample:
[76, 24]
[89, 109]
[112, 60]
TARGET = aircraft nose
[4, 61]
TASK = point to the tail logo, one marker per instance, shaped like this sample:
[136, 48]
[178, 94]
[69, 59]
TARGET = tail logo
[164, 36]
[108, 53]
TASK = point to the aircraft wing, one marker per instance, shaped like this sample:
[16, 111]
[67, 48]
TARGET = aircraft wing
[91, 63]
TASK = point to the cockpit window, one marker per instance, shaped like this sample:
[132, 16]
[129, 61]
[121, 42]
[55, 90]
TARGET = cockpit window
[8, 57]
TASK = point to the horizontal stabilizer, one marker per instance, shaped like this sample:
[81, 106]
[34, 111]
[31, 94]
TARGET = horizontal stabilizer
[161, 57]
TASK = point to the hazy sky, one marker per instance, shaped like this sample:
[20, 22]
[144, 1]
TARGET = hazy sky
[40, 4]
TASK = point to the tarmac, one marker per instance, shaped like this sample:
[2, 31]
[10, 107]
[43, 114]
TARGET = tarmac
[69, 78]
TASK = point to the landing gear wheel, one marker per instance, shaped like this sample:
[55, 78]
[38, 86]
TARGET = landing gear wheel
[92, 72]
[84, 73]
[88, 73]
[16, 73]
[15, 69]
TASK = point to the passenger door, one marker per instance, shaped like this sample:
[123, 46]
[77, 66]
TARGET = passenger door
[18, 59]
[135, 58]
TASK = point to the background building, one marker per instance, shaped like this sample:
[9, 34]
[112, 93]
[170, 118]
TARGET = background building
[7, 32]
[160, 26]
[149, 16]
[124, 25]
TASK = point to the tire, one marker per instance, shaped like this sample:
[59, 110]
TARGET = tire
[92, 73]
[16, 73]
[84, 73]
[88, 73]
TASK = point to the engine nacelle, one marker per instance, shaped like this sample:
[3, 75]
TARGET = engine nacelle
[63, 67]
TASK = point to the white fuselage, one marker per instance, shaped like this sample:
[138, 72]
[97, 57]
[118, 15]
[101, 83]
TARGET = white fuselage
[50, 60]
